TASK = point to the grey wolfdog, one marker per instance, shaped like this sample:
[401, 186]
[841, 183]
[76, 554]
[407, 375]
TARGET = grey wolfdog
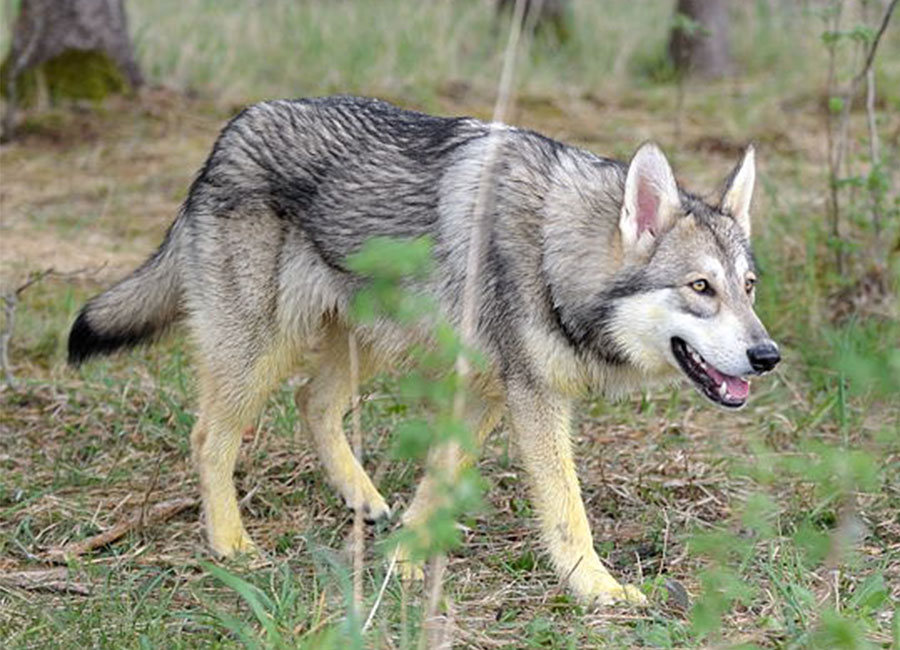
[596, 275]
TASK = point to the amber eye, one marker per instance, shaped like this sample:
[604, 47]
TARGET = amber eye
[749, 284]
[702, 286]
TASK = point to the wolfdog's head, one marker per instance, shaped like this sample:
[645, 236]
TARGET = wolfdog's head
[695, 310]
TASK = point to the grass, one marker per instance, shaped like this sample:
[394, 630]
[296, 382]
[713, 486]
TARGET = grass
[780, 522]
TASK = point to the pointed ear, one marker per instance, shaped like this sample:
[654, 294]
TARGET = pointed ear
[651, 196]
[739, 191]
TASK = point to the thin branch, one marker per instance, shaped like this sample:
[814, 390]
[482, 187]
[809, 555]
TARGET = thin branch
[874, 154]
[34, 278]
[854, 85]
[870, 57]
[838, 148]
[870, 114]
[157, 514]
[358, 537]
[469, 315]
[149, 491]
[11, 302]
[834, 205]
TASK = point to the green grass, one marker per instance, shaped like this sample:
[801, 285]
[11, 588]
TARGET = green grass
[780, 521]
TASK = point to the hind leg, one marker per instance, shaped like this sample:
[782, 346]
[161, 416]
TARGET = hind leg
[230, 403]
[235, 297]
[215, 441]
[322, 403]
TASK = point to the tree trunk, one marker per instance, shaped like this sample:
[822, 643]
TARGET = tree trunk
[551, 16]
[698, 42]
[81, 48]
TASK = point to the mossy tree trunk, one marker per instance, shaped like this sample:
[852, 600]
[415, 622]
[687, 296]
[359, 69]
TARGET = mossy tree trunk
[699, 43]
[79, 48]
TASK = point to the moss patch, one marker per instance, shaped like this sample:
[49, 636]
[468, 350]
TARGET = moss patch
[74, 74]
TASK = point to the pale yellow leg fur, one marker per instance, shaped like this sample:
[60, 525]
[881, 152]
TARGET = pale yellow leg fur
[215, 440]
[230, 402]
[322, 403]
[540, 424]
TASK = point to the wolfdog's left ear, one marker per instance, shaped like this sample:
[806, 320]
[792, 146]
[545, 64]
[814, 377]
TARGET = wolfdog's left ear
[738, 191]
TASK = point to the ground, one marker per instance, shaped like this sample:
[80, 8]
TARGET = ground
[679, 495]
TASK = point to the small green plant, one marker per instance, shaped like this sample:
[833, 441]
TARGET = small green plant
[278, 617]
[431, 384]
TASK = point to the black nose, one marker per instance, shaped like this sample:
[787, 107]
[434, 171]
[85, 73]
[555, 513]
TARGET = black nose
[764, 357]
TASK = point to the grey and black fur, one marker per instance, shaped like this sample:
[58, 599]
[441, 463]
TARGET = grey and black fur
[590, 280]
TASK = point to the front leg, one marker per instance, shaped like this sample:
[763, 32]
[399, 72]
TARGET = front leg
[541, 426]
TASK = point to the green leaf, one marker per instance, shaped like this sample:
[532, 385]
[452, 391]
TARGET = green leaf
[813, 543]
[836, 632]
[758, 513]
[387, 257]
[830, 38]
[862, 34]
[467, 491]
[870, 595]
[259, 603]
[412, 439]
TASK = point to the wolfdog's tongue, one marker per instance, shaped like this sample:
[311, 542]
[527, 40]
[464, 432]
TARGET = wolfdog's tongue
[737, 387]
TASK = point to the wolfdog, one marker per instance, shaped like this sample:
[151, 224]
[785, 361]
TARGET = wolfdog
[596, 275]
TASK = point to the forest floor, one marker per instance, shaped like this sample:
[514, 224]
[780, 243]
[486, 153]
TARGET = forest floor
[88, 194]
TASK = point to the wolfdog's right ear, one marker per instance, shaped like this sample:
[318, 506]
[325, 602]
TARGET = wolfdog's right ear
[739, 191]
[651, 196]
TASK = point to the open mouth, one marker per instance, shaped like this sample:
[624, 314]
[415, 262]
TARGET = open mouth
[722, 389]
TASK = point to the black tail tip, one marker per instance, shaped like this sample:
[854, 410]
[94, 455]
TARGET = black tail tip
[85, 341]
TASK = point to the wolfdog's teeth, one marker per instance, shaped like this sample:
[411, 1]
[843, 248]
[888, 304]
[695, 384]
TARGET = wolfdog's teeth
[723, 389]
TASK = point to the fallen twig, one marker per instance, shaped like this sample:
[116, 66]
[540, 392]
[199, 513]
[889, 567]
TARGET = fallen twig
[44, 580]
[384, 584]
[157, 514]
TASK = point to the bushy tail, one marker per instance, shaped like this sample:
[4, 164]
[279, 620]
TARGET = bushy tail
[133, 311]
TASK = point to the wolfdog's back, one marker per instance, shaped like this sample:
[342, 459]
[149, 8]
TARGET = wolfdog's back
[343, 169]
[292, 188]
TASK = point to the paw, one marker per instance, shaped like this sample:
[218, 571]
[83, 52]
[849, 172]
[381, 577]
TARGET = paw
[409, 570]
[230, 543]
[372, 505]
[600, 588]
[630, 595]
